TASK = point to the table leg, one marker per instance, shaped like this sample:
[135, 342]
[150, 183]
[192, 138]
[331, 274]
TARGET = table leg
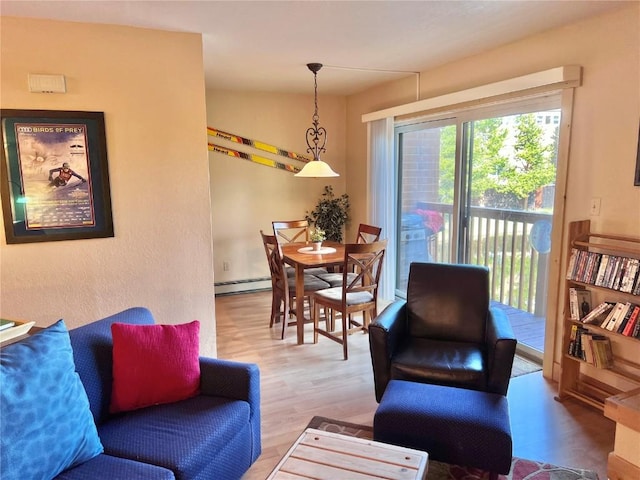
[300, 303]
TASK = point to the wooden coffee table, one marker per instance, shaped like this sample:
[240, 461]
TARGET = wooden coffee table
[330, 456]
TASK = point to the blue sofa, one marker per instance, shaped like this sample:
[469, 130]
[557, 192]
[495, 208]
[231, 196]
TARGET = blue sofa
[215, 435]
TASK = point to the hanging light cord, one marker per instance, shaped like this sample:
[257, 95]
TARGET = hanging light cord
[315, 134]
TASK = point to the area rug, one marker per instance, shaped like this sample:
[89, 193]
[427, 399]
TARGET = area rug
[522, 366]
[521, 469]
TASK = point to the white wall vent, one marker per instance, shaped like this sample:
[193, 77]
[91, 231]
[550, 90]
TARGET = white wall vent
[47, 83]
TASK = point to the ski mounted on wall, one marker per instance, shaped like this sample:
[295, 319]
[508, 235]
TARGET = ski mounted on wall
[253, 158]
[265, 147]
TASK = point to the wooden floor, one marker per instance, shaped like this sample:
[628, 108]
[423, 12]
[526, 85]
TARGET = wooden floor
[300, 381]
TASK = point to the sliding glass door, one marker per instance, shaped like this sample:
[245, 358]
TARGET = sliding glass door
[478, 188]
[426, 195]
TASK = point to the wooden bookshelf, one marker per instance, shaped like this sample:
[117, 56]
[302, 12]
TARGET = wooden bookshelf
[575, 381]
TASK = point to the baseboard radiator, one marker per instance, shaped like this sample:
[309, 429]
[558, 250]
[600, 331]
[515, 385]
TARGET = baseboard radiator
[242, 286]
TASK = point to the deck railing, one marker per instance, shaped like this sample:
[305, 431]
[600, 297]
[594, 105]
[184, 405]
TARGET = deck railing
[500, 240]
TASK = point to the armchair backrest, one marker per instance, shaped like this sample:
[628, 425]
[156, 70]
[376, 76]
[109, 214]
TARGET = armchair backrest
[448, 301]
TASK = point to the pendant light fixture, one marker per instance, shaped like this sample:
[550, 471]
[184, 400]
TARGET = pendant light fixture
[316, 138]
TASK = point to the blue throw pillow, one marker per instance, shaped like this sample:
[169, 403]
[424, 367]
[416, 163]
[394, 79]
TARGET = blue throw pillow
[45, 422]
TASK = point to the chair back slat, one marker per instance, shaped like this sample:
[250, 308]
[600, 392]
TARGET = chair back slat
[291, 231]
[279, 282]
[368, 233]
[274, 259]
[365, 259]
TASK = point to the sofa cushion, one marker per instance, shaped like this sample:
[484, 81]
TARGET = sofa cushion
[199, 438]
[44, 408]
[154, 364]
[114, 468]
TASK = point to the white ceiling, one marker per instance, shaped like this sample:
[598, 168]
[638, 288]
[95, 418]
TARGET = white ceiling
[265, 45]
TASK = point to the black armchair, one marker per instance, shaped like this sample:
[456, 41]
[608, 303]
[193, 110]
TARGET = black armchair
[445, 333]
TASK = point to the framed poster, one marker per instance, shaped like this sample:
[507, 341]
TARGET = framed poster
[54, 177]
[636, 179]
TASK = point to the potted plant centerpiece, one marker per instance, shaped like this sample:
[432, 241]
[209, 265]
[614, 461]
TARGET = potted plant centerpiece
[331, 214]
[317, 236]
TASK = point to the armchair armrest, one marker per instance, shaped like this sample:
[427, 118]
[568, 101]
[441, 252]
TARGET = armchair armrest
[385, 334]
[501, 348]
[238, 381]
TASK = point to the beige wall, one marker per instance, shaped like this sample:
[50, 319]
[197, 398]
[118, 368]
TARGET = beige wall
[247, 197]
[605, 121]
[150, 85]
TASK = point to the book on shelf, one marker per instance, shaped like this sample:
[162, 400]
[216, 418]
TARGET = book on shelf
[573, 304]
[604, 270]
[581, 346]
[17, 329]
[614, 272]
[615, 317]
[602, 353]
[597, 315]
[628, 329]
[579, 303]
[636, 288]
[592, 348]
[581, 261]
[593, 268]
[606, 319]
[631, 276]
[620, 273]
[575, 349]
[573, 258]
[621, 316]
[636, 329]
[610, 270]
[586, 347]
[627, 315]
[4, 323]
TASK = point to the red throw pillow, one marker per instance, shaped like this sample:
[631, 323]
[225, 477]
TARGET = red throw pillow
[154, 364]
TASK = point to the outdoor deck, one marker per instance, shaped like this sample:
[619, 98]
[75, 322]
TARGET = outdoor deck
[528, 328]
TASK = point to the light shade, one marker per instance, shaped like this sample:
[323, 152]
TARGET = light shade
[316, 168]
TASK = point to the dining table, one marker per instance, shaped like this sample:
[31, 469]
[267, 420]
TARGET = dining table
[301, 256]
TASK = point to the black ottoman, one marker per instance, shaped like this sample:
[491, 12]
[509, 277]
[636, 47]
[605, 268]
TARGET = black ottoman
[453, 425]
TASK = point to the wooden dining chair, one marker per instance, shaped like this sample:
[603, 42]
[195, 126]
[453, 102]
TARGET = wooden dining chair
[358, 293]
[283, 288]
[291, 231]
[294, 231]
[368, 233]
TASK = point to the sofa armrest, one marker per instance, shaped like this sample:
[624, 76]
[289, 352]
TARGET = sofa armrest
[238, 381]
[385, 334]
[501, 348]
[225, 378]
